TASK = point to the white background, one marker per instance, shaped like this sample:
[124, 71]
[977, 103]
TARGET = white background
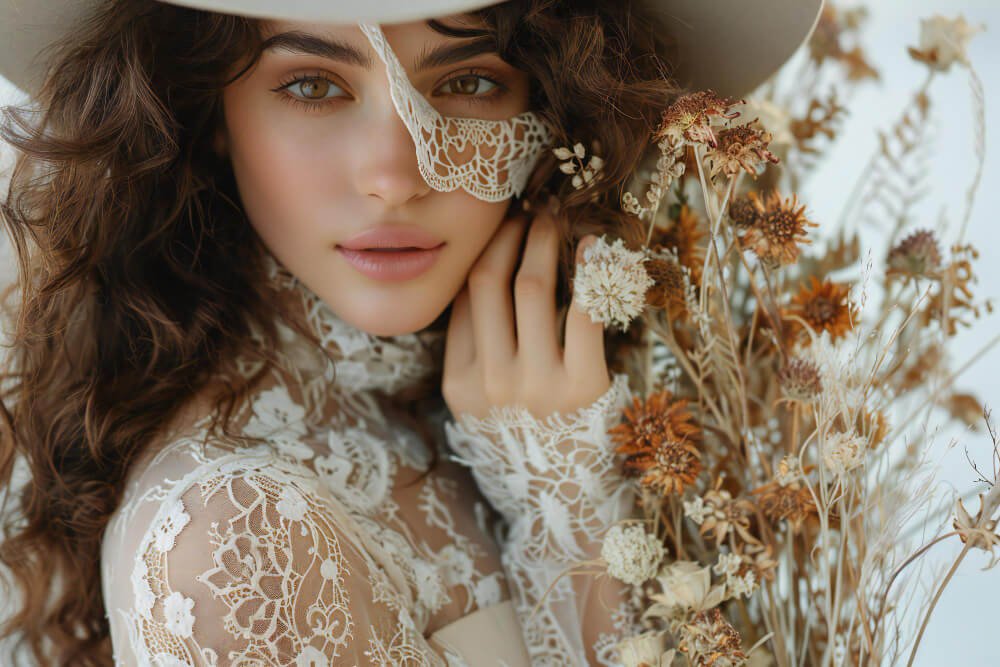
[965, 629]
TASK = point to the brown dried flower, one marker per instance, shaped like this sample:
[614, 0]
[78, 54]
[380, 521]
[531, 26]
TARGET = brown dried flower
[800, 380]
[775, 228]
[669, 286]
[743, 211]
[824, 306]
[688, 118]
[791, 502]
[658, 437]
[709, 640]
[914, 256]
[741, 147]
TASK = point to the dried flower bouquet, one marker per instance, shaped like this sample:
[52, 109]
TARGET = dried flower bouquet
[772, 446]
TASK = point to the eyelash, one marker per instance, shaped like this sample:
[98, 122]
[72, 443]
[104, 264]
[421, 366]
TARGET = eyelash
[485, 98]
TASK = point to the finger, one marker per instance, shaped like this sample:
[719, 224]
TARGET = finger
[535, 295]
[584, 338]
[492, 305]
[459, 347]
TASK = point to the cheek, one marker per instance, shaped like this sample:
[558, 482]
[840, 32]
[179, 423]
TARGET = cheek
[286, 173]
[472, 225]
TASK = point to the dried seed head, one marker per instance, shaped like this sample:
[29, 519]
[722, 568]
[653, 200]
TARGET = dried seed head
[916, 255]
[800, 380]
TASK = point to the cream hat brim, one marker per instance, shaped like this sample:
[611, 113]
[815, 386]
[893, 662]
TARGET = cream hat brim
[730, 46]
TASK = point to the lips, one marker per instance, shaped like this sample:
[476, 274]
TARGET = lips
[392, 237]
[392, 252]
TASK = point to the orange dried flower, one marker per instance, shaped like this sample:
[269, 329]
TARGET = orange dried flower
[685, 236]
[824, 306]
[688, 118]
[658, 438]
[741, 147]
[777, 228]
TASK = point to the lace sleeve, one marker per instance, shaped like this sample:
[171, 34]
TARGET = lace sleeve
[253, 567]
[558, 485]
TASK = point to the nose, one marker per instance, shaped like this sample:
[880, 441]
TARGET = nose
[386, 165]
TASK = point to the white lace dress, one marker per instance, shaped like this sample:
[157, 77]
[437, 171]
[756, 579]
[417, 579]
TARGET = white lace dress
[314, 548]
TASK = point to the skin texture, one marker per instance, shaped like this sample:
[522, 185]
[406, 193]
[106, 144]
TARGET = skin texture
[327, 157]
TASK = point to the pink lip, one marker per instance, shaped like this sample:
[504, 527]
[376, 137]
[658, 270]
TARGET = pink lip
[370, 252]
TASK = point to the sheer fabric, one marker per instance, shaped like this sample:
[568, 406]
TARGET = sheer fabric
[318, 547]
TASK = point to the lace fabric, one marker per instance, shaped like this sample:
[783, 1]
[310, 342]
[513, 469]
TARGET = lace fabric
[320, 546]
[490, 159]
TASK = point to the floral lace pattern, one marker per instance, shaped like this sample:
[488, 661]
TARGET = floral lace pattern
[502, 153]
[323, 545]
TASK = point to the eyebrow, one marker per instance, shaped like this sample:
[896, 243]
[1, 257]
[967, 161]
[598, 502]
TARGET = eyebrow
[332, 49]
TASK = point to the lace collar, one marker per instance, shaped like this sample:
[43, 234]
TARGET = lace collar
[395, 365]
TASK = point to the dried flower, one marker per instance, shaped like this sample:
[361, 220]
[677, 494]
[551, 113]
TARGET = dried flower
[583, 174]
[645, 650]
[688, 118]
[916, 255]
[727, 515]
[686, 586]
[744, 584]
[684, 236]
[777, 228]
[743, 211]
[800, 380]
[611, 282]
[789, 470]
[774, 118]
[727, 565]
[790, 502]
[671, 282]
[843, 452]
[980, 531]
[633, 555]
[742, 147]
[824, 306]
[709, 640]
[696, 510]
[659, 437]
[944, 41]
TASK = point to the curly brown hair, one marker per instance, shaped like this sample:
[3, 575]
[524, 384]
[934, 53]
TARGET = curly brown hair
[144, 279]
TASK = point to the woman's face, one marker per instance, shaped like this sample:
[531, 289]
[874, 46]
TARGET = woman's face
[320, 155]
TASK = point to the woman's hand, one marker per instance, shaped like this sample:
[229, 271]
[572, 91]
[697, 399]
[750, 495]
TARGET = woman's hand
[502, 350]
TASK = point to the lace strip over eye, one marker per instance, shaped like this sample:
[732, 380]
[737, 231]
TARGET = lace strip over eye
[501, 153]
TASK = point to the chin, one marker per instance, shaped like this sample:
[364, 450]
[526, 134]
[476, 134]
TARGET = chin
[387, 321]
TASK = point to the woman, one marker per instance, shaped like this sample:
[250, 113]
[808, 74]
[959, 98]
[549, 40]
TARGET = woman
[234, 412]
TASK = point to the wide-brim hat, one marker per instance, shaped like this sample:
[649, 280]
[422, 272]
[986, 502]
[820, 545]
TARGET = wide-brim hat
[729, 46]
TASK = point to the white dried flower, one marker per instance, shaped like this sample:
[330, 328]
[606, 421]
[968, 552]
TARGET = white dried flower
[611, 283]
[633, 555]
[843, 452]
[744, 585]
[944, 41]
[583, 174]
[686, 587]
[696, 510]
[646, 649]
[728, 565]
[789, 470]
